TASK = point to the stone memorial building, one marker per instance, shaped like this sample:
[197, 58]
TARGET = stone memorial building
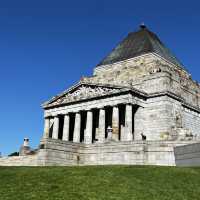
[137, 106]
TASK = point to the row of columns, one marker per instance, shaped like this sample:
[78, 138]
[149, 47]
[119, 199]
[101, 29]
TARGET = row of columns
[126, 131]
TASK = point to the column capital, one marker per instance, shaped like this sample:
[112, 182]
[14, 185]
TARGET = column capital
[56, 116]
[115, 106]
[102, 108]
[87, 109]
[128, 103]
[74, 112]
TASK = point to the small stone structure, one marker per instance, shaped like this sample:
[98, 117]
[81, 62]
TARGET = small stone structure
[140, 90]
[187, 155]
[25, 148]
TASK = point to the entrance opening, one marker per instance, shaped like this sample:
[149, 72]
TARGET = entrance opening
[83, 125]
[108, 117]
[71, 126]
[61, 125]
[134, 110]
[95, 124]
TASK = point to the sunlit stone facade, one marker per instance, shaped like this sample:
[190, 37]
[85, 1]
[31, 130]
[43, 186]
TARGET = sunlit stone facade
[137, 106]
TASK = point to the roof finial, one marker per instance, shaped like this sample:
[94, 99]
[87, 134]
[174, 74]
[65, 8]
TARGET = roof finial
[142, 25]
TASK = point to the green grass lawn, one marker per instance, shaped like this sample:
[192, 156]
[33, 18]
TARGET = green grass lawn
[99, 182]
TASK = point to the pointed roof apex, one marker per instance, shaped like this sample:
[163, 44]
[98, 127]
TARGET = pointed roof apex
[139, 43]
[142, 25]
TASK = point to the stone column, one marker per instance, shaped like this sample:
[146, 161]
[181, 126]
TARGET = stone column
[128, 123]
[66, 128]
[101, 129]
[115, 123]
[46, 128]
[55, 128]
[88, 130]
[77, 128]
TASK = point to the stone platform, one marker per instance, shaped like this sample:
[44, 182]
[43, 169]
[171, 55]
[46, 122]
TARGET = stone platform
[29, 160]
[55, 152]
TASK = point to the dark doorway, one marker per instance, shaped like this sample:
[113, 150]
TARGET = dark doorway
[108, 111]
[83, 125]
[95, 124]
[134, 110]
[71, 126]
[61, 125]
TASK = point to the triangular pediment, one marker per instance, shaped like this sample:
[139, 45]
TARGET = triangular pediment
[82, 91]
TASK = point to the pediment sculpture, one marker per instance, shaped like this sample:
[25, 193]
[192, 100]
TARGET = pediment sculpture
[83, 92]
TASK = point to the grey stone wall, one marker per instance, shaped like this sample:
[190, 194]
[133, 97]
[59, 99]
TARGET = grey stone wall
[61, 153]
[57, 152]
[188, 155]
[30, 160]
[155, 120]
[191, 121]
[150, 73]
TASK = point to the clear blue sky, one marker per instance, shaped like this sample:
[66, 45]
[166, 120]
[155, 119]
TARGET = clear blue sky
[46, 46]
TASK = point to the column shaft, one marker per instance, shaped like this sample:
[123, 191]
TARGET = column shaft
[128, 123]
[77, 128]
[46, 128]
[55, 128]
[88, 131]
[115, 123]
[101, 129]
[66, 128]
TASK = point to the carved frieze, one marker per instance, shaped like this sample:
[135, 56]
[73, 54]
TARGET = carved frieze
[84, 92]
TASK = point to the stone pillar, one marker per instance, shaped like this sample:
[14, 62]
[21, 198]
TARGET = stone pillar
[66, 128]
[46, 128]
[128, 123]
[77, 128]
[115, 123]
[101, 129]
[55, 128]
[88, 130]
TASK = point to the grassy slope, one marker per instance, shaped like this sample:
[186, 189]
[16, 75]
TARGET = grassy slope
[99, 182]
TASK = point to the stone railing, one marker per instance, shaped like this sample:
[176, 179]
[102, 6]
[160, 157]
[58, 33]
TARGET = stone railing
[30, 160]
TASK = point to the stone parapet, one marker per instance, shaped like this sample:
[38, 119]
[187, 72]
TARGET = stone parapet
[62, 153]
[188, 155]
[56, 152]
[29, 160]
